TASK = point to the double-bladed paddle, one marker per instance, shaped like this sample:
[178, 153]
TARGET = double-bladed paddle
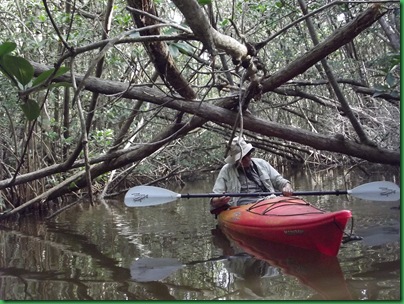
[141, 196]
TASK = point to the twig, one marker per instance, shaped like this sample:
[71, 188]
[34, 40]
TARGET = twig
[61, 210]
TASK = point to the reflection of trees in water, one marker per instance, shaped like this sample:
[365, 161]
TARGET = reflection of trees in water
[372, 265]
[64, 265]
[84, 254]
[249, 273]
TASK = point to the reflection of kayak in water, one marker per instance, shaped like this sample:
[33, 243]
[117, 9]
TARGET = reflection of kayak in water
[291, 221]
[320, 272]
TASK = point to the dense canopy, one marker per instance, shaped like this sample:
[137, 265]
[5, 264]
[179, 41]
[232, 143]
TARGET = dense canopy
[101, 95]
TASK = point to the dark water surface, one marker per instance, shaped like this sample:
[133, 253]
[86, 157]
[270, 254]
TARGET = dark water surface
[98, 253]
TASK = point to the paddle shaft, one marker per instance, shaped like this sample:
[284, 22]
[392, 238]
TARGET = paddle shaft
[220, 258]
[141, 196]
[257, 194]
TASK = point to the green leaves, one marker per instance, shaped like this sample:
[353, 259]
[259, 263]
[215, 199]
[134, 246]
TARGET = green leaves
[20, 71]
[45, 75]
[204, 2]
[176, 48]
[7, 47]
[31, 109]
[21, 74]
[17, 68]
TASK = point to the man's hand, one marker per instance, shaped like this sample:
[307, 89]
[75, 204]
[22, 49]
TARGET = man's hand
[287, 190]
[217, 202]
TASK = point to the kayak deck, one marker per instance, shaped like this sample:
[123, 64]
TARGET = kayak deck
[289, 220]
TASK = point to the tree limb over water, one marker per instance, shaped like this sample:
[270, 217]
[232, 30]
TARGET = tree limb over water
[239, 90]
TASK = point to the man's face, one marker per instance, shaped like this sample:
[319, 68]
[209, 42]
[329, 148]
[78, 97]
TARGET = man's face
[245, 162]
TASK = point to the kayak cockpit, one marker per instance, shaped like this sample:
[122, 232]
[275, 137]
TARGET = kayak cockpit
[269, 206]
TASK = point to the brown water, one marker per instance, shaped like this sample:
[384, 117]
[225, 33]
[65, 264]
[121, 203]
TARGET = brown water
[87, 253]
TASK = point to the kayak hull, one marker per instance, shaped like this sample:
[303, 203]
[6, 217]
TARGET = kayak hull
[291, 221]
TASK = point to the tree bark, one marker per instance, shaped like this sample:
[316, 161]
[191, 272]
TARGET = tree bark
[334, 84]
[218, 114]
[158, 50]
[203, 30]
[339, 38]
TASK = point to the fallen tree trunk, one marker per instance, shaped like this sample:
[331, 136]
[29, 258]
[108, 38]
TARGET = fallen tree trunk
[219, 114]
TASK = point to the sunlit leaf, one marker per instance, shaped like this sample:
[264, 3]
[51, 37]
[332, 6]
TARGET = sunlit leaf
[73, 185]
[224, 22]
[204, 2]
[31, 109]
[394, 59]
[42, 77]
[45, 75]
[279, 4]
[170, 31]
[7, 47]
[173, 50]
[18, 67]
[182, 46]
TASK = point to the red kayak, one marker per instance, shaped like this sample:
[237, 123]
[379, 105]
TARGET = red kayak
[291, 221]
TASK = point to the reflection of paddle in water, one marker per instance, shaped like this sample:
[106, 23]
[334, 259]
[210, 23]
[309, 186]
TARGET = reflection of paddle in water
[320, 272]
[257, 261]
[156, 269]
[246, 269]
[153, 269]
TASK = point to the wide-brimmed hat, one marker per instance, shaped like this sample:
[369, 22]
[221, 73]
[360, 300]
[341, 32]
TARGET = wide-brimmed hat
[238, 149]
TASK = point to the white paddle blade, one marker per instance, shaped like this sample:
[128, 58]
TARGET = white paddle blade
[151, 269]
[377, 191]
[142, 196]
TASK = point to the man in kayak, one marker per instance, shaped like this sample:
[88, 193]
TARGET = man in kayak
[245, 174]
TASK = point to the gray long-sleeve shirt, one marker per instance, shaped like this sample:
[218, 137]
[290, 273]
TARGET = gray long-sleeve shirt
[228, 179]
